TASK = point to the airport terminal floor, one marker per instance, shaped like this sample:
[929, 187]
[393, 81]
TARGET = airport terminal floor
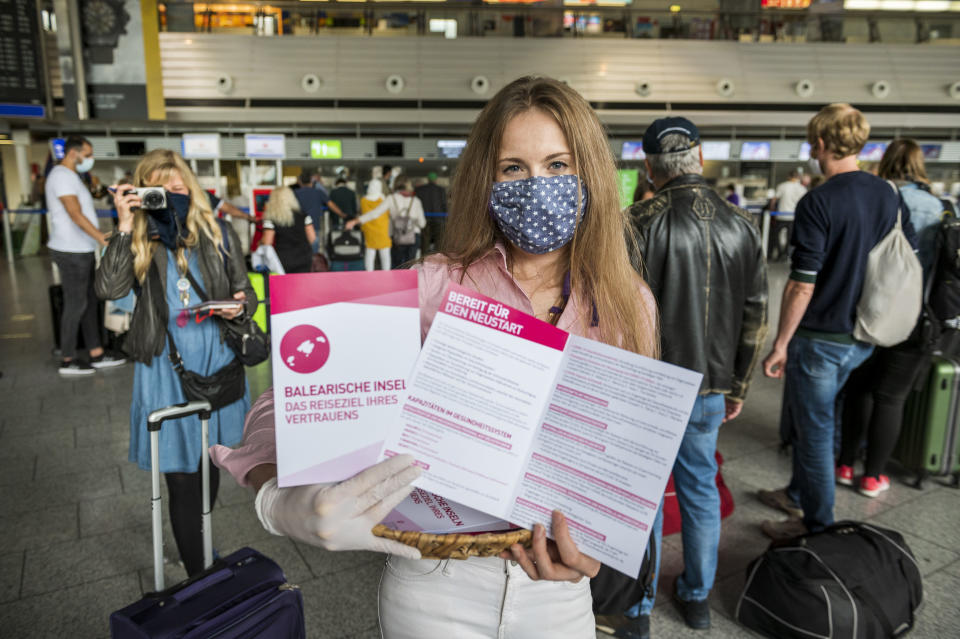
[74, 513]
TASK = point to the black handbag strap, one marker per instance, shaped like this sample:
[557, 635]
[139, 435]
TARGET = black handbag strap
[196, 286]
[156, 293]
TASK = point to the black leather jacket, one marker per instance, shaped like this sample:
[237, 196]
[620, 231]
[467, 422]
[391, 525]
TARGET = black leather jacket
[147, 334]
[703, 260]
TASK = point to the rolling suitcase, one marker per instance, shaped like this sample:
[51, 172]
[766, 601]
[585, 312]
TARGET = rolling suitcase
[346, 250]
[242, 595]
[929, 442]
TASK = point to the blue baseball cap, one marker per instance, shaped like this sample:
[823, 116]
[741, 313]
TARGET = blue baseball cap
[667, 126]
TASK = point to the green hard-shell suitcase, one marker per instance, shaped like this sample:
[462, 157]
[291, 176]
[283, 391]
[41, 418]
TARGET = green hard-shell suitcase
[929, 443]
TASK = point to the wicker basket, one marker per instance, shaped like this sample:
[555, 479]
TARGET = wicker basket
[457, 546]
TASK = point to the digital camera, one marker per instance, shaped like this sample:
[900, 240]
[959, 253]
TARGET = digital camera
[152, 198]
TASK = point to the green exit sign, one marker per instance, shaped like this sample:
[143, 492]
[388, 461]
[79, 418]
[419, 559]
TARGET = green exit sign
[325, 149]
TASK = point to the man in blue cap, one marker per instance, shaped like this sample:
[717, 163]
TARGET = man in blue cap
[703, 260]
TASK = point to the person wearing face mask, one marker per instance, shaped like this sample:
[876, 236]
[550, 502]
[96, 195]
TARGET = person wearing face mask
[535, 223]
[74, 238]
[167, 256]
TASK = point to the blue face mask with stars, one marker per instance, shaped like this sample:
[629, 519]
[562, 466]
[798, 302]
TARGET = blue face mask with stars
[538, 214]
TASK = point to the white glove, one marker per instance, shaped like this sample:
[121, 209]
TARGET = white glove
[340, 516]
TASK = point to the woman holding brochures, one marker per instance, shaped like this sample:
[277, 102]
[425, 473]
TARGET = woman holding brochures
[155, 251]
[536, 224]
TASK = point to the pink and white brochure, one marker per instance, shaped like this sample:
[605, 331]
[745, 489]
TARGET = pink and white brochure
[343, 346]
[514, 417]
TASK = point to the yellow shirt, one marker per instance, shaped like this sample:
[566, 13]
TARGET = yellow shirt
[376, 232]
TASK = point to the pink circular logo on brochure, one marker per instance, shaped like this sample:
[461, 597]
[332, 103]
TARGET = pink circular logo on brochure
[305, 349]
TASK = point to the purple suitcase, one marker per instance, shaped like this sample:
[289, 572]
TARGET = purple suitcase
[244, 595]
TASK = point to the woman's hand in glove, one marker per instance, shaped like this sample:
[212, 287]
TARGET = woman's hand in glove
[340, 516]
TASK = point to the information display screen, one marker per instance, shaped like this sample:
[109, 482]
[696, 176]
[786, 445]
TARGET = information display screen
[715, 150]
[131, 148]
[451, 148]
[56, 147]
[326, 149]
[20, 79]
[389, 149]
[931, 151]
[755, 151]
[804, 151]
[872, 151]
[632, 151]
[265, 146]
[200, 146]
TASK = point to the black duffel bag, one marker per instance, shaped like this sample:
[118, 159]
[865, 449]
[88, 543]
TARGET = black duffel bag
[852, 580]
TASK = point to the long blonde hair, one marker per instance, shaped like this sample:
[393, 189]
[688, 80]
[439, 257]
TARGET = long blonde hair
[155, 169]
[599, 262]
[281, 205]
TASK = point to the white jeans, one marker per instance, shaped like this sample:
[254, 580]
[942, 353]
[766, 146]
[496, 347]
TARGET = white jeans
[384, 259]
[479, 598]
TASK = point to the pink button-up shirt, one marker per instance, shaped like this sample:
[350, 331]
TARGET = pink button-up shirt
[488, 276]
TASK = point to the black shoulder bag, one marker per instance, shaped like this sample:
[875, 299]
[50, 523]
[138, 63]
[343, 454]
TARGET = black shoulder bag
[222, 388]
[244, 336]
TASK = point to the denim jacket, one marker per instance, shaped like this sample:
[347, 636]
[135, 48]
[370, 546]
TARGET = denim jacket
[926, 213]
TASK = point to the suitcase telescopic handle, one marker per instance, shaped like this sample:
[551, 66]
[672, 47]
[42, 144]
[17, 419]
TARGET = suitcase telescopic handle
[156, 418]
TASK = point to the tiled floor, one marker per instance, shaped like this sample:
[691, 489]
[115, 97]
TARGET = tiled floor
[74, 513]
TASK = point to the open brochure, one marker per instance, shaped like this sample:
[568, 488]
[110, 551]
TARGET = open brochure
[513, 417]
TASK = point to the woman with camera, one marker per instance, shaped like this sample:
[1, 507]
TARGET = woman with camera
[173, 252]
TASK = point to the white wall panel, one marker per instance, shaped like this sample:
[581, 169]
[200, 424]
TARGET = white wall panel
[104, 147]
[602, 69]
[415, 148]
[297, 148]
[232, 148]
[171, 143]
[359, 149]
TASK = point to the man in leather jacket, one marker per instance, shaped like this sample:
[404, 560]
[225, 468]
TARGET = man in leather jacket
[704, 262]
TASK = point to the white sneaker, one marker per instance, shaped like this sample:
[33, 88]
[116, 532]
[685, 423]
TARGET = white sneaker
[107, 360]
[75, 368]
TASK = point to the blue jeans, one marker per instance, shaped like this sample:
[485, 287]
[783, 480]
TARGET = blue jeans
[816, 371]
[694, 478]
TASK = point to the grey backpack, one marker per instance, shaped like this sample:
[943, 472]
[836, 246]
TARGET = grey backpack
[892, 293]
[404, 227]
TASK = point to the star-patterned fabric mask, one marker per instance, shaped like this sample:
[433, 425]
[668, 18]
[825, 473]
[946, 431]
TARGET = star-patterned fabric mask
[538, 214]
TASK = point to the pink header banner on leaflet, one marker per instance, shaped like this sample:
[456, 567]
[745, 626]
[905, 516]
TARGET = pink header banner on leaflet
[343, 345]
[511, 417]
